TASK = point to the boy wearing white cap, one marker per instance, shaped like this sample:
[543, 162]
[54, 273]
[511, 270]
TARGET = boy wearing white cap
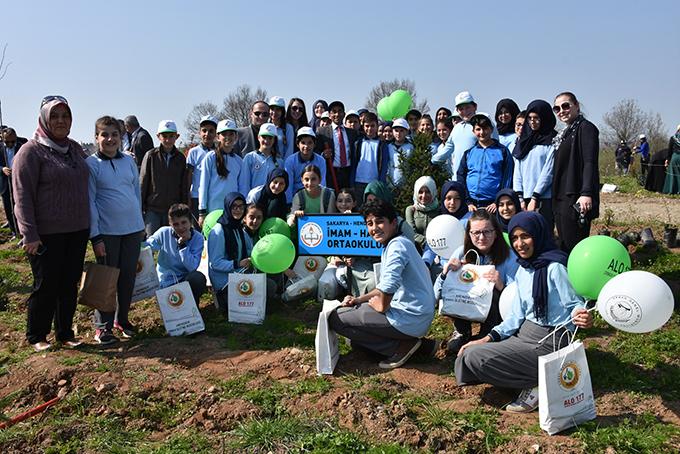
[206, 131]
[285, 133]
[296, 163]
[257, 164]
[163, 178]
[400, 146]
[462, 138]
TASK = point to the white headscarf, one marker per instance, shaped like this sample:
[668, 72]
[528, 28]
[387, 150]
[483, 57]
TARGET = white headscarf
[428, 182]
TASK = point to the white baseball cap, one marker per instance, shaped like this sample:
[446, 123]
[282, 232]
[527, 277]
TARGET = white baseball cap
[277, 101]
[642, 136]
[325, 114]
[268, 129]
[351, 112]
[208, 118]
[226, 125]
[306, 131]
[464, 97]
[166, 126]
[400, 123]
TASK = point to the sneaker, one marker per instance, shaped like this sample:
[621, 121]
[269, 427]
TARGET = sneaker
[526, 402]
[127, 331]
[404, 352]
[41, 346]
[105, 337]
[455, 342]
[72, 343]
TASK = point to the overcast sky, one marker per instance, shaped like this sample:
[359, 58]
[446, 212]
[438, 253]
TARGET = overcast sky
[158, 59]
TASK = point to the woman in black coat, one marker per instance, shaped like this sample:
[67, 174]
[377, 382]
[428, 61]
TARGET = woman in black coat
[576, 176]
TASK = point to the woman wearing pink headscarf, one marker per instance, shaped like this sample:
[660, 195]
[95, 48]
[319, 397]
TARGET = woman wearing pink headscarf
[50, 178]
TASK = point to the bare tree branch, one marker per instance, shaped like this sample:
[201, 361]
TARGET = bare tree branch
[194, 118]
[385, 88]
[626, 121]
[3, 66]
[237, 104]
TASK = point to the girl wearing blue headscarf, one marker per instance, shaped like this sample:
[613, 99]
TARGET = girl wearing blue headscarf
[507, 205]
[508, 356]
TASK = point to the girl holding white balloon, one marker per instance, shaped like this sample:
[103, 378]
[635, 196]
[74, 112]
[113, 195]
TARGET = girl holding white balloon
[483, 234]
[507, 356]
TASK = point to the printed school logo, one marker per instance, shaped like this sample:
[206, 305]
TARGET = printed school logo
[311, 265]
[175, 299]
[569, 376]
[311, 234]
[468, 276]
[624, 310]
[246, 287]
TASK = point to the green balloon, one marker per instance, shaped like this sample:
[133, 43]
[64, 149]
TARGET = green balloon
[399, 103]
[593, 262]
[274, 225]
[273, 254]
[210, 221]
[506, 237]
[384, 110]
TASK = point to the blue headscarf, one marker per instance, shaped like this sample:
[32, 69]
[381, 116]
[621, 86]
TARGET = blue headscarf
[515, 199]
[545, 252]
[460, 189]
[314, 121]
[227, 220]
[235, 245]
[529, 138]
[274, 205]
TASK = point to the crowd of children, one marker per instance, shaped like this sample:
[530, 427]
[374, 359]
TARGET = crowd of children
[503, 171]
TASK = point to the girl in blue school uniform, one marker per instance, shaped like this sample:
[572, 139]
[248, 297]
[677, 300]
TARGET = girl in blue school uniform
[507, 205]
[271, 196]
[285, 132]
[483, 235]
[534, 153]
[295, 164]
[507, 356]
[221, 170]
[257, 164]
[313, 198]
[506, 114]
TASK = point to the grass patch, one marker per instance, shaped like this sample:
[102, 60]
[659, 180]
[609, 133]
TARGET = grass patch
[71, 360]
[640, 434]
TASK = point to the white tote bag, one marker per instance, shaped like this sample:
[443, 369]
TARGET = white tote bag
[300, 288]
[328, 287]
[247, 298]
[146, 279]
[179, 311]
[204, 265]
[306, 265]
[466, 294]
[326, 340]
[565, 392]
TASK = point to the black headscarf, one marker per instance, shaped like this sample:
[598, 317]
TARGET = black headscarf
[515, 199]
[314, 121]
[545, 252]
[513, 108]
[275, 205]
[234, 235]
[529, 138]
[460, 189]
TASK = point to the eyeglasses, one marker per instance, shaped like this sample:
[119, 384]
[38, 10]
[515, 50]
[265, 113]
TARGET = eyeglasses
[479, 233]
[50, 98]
[563, 106]
[261, 114]
[238, 206]
[296, 109]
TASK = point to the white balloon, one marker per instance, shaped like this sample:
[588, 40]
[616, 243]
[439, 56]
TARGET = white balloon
[636, 302]
[444, 235]
[507, 298]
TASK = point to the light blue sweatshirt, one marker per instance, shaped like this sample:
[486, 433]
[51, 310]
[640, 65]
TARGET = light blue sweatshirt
[254, 170]
[174, 263]
[214, 187]
[194, 159]
[115, 200]
[394, 175]
[289, 148]
[404, 275]
[562, 301]
[461, 139]
[533, 174]
[295, 165]
[507, 139]
[219, 266]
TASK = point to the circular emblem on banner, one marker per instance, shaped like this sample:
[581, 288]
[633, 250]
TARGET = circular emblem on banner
[311, 234]
[246, 287]
[624, 310]
[311, 265]
[467, 276]
[569, 376]
[175, 299]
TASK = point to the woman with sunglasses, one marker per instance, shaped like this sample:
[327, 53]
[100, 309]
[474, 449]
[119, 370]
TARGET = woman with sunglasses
[50, 180]
[576, 175]
[483, 235]
[296, 114]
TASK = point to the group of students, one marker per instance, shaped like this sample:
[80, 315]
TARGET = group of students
[494, 188]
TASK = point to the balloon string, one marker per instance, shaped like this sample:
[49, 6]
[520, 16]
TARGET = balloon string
[561, 325]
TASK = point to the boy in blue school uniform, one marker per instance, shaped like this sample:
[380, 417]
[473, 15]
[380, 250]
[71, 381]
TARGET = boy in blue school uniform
[207, 131]
[370, 157]
[296, 163]
[401, 145]
[258, 163]
[486, 168]
[179, 249]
